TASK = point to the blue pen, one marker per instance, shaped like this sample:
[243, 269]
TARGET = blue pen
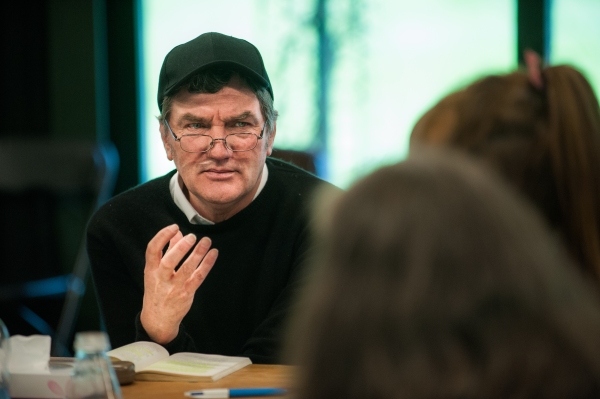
[235, 392]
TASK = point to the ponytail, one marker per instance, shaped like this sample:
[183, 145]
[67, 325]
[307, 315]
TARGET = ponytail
[574, 144]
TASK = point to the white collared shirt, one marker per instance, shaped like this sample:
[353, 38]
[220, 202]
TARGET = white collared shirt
[192, 215]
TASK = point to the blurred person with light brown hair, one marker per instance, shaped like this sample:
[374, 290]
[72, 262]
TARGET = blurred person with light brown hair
[541, 129]
[433, 279]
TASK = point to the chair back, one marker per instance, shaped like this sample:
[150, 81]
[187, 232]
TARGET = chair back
[304, 160]
[48, 191]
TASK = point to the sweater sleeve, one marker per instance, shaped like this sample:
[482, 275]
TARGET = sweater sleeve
[265, 344]
[183, 342]
[119, 298]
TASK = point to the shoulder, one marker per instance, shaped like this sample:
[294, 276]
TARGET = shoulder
[139, 198]
[292, 176]
[292, 187]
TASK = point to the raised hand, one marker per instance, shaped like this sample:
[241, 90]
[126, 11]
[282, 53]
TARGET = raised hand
[168, 294]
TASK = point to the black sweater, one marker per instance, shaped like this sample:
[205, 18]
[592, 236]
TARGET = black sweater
[240, 308]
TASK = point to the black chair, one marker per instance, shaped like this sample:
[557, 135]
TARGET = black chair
[304, 160]
[48, 191]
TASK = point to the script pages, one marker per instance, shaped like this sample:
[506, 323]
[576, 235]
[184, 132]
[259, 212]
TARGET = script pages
[153, 363]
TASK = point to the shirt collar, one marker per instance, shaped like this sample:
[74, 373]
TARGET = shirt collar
[192, 215]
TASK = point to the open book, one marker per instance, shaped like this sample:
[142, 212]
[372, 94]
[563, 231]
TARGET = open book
[153, 363]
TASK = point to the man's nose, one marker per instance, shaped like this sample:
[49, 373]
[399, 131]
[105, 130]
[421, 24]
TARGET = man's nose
[219, 149]
[223, 141]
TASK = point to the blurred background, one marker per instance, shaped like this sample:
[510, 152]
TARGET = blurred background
[350, 79]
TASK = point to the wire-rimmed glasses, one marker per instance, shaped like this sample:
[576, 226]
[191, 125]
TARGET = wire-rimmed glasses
[236, 142]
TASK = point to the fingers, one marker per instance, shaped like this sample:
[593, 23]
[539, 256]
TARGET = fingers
[157, 243]
[174, 255]
[191, 263]
[196, 266]
[202, 271]
[199, 274]
[175, 239]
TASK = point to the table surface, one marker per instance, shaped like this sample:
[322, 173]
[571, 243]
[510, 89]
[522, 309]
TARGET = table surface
[254, 375]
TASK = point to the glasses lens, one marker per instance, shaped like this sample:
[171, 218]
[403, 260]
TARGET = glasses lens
[242, 141]
[195, 143]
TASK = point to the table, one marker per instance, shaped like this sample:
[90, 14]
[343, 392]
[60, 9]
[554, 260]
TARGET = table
[253, 375]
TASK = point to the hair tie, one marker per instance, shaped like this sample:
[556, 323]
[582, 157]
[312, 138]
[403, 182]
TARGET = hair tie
[533, 62]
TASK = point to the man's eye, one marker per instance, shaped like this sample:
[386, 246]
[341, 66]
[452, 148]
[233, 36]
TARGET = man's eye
[194, 126]
[241, 124]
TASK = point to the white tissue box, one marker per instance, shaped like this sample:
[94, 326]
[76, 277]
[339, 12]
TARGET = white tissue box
[52, 385]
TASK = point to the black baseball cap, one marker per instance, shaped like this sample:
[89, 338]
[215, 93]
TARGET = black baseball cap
[207, 50]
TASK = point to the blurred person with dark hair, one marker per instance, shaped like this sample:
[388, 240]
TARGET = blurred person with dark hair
[433, 279]
[541, 129]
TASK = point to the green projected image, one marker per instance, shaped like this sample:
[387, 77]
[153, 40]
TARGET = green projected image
[388, 62]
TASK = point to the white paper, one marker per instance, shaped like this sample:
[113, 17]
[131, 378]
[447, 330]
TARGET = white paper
[141, 353]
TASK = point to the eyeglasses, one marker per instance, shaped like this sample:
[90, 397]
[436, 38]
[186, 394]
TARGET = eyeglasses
[236, 142]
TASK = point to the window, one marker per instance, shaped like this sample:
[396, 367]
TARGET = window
[575, 37]
[391, 60]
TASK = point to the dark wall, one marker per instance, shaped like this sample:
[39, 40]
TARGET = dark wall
[24, 72]
[68, 71]
[122, 65]
[71, 69]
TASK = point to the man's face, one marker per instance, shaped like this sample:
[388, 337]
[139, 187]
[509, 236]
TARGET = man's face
[219, 183]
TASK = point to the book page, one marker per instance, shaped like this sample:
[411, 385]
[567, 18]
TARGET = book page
[197, 364]
[141, 353]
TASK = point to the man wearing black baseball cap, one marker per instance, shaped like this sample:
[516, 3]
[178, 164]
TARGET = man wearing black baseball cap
[226, 205]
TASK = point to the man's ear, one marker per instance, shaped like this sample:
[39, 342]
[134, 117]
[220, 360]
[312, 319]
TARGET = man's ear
[165, 139]
[271, 140]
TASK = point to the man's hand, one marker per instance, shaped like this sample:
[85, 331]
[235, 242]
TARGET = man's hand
[168, 294]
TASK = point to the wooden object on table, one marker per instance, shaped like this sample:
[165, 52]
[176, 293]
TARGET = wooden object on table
[254, 375]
